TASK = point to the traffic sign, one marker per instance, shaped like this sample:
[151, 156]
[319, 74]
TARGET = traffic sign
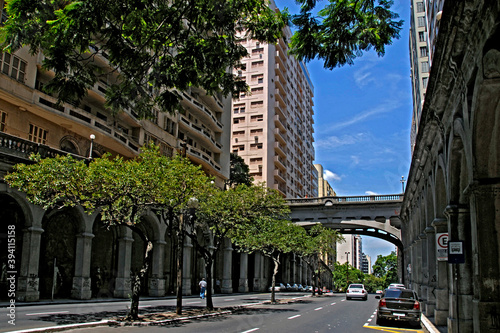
[442, 246]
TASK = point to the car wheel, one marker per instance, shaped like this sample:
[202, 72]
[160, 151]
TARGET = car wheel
[415, 324]
[366, 298]
[347, 298]
[380, 321]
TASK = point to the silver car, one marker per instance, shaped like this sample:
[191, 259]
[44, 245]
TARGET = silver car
[356, 290]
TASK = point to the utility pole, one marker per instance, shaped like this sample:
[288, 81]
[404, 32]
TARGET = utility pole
[347, 271]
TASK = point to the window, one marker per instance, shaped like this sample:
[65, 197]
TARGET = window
[257, 104]
[258, 51]
[421, 36]
[258, 117]
[425, 80]
[3, 121]
[37, 134]
[423, 51]
[258, 90]
[420, 7]
[255, 146]
[238, 120]
[425, 66]
[13, 66]
[258, 77]
[421, 21]
[256, 131]
[259, 63]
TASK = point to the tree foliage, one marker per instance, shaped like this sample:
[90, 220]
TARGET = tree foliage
[343, 30]
[386, 268]
[239, 172]
[155, 46]
[120, 190]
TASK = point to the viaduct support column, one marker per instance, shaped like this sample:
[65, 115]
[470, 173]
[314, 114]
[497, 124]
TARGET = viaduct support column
[442, 302]
[227, 282]
[243, 283]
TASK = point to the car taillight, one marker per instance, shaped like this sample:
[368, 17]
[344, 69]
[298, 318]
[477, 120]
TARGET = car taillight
[416, 305]
[382, 302]
[363, 291]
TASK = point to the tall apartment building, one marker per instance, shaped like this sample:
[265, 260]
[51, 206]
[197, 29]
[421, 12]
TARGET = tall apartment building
[324, 187]
[272, 126]
[424, 27]
[351, 250]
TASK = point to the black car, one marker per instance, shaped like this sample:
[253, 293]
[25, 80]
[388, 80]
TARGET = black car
[399, 305]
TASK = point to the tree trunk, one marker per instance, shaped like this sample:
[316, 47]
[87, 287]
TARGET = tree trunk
[208, 271]
[180, 261]
[136, 280]
[273, 283]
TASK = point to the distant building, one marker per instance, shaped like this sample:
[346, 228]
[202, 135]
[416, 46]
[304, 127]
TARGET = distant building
[324, 188]
[350, 251]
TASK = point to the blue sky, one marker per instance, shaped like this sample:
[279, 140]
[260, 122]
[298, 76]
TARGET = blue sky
[362, 121]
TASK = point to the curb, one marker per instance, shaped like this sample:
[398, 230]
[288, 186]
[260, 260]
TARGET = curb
[427, 325]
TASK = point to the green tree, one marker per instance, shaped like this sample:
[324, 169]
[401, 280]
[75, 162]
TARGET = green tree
[220, 212]
[121, 190]
[239, 172]
[269, 233]
[386, 268]
[345, 274]
[156, 46]
[343, 30]
[317, 242]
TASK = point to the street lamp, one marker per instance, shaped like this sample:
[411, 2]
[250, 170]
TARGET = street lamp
[92, 138]
[402, 181]
[347, 253]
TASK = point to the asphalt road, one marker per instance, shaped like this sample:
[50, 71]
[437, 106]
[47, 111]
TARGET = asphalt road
[329, 313]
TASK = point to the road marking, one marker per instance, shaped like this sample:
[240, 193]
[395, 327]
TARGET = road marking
[252, 330]
[193, 302]
[318, 309]
[254, 297]
[43, 313]
[333, 303]
[229, 299]
[144, 306]
[390, 329]
[292, 317]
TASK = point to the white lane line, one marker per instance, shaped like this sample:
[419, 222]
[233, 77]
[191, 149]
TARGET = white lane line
[44, 313]
[318, 308]
[292, 317]
[145, 306]
[252, 330]
[333, 303]
[193, 302]
[343, 300]
[369, 320]
[229, 299]
[254, 297]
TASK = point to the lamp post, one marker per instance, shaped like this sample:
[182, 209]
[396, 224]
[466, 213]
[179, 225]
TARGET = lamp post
[402, 181]
[347, 253]
[92, 138]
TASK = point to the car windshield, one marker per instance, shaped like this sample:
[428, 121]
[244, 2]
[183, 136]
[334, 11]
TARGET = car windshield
[398, 293]
[352, 286]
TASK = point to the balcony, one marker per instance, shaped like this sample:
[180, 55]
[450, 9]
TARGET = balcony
[280, 162]
[85, 119]
[280, 175]
[279, 122]
[200, 133]
[201, 111]
[202, 158]
[281, 136]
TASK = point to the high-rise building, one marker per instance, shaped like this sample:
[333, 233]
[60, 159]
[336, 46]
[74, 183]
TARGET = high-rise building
[424, 27]
[324, 187]
[272, 125]
[351, 250]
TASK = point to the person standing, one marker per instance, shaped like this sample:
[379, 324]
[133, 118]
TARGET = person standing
[203, 288]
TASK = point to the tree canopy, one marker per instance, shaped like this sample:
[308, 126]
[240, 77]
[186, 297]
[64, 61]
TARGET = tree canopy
[155, 46]
[386, 268]
[342, 30]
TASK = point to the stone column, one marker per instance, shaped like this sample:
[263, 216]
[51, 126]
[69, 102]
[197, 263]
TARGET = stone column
[28, 280]
[122, 281]
[81, 280]
[186, 268]
[227, 283]
[243, 283]
[305, 277]
[431, 280]
[442, 302]
[157, 280]
[258, 278]
[299, 270]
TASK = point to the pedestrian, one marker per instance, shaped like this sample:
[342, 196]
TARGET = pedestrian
[203, 288]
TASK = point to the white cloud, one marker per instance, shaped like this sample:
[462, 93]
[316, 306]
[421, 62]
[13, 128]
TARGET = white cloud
[355, 160]
[335, 141]
[331, 176]
[371, 193]
[363, 77]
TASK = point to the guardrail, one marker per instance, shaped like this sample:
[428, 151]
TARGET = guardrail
[346, 199]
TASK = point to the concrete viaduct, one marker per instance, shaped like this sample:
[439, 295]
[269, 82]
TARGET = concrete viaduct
[373, 215]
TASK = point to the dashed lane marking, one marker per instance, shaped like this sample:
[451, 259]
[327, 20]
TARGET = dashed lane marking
[293, 317]
[44, 313]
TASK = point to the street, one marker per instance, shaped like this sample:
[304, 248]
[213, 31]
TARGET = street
[328, 313]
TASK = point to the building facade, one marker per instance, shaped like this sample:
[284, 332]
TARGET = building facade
[324, 188]
[453, 189]
[272, 126]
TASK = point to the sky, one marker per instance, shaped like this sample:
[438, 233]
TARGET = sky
[362, 121]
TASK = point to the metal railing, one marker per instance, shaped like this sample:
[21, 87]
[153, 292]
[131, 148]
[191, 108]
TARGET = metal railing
[346, 199]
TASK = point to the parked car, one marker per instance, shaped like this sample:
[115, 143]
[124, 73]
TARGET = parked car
[379, 292]
[397, 285]
[309, 289]
[301, 288]
[356, 290]
[278, 287]
[399, 305]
